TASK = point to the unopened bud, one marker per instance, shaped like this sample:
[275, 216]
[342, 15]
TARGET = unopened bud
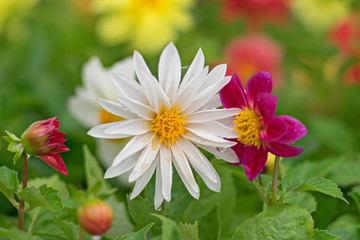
[95, 217]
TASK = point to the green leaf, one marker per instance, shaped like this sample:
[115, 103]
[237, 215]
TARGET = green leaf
[54, 182]
[305, 200]
[42, 197]
[210, 221]
[346, 174]
[355, 195]
[121, 224]
[322, 185]
[69, 228]
[323, 235]
[16, 234]
[140, 210]
[346, 234]
[189, 231]
[93, 171]
[8, 182]
[76, 194]
[281, 222]
[139, 235]
[169, 229]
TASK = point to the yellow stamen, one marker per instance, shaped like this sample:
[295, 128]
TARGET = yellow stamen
[248, 125]
[106, 117]
[168, 125]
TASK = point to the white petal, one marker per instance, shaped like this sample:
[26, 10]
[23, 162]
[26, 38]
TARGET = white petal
[211, 128]
[99, 132]
[166, 171]
[145, 160]
[84, 108]
[122, 167]
[109, 149]
[96, 80]
[137, 107]
[216, 75]
[214, 102]
[170, 70]
[210, 115]
[229, 122]
[144, 179]
[195, 68]
[187, 94]
[228, 155]
[212, 141]
[130, 127]
[129, 87]
[158, 198]
[202, 165]
[184, 170]
[136, 144]
[205, 96]
[116, 109]
[153, 91]
[125, 67]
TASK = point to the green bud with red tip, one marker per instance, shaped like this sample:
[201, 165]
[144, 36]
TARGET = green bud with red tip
[95, 217]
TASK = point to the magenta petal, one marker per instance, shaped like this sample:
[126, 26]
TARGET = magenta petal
[254, 161]
[55, 161]
[233, 94]
[284, 150]
[239, 149]
[260, 82]
[295, 130]
[265, 105]
[273, 130]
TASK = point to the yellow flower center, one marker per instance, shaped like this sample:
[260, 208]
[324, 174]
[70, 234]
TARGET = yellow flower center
[106, 117]
[168, 124]
[248, 125]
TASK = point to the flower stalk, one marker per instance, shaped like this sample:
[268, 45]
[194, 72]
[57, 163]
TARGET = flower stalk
[274, 181]
[21, 209]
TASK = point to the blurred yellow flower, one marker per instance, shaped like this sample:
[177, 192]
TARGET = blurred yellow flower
[319, 15]
[12, 13]
[147, 24]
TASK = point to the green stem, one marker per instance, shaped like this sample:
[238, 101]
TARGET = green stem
[21, 211]
[274, 181]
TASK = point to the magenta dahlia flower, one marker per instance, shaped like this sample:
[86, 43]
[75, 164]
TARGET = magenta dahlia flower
[43, 140]
[259, 131]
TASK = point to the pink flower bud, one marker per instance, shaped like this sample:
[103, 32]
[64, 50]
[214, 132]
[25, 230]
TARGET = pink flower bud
[44, 140]
[95, 217]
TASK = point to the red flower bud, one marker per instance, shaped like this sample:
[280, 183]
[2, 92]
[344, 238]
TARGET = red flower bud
[95, 217]
[44, 140]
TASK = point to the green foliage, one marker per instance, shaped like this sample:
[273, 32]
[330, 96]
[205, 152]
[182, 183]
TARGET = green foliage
[141, 211]
[8, 182]
[170, 230]
[139, 235]
[282, 222]
[189, 231]
[323, 235]
[17, 234]
[322, 185]
[14, 145]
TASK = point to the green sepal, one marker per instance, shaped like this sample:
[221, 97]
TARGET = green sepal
[11, 137]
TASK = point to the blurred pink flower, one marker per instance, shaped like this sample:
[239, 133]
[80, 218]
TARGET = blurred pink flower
[253, 53]
[259, 131]
[352, 74]
[44, 140]
[256, 12]
[346, 35]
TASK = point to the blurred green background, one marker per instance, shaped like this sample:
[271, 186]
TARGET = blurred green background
[311, 47]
